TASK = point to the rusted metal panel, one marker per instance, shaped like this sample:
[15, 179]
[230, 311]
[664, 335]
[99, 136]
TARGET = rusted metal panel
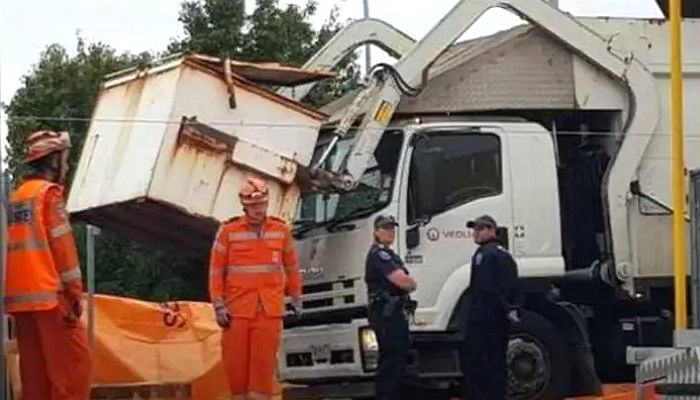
[166, 154]
[207, 161]
[257, 118]
[265, 161]
[123, 141]
[196, 134]
[202, 170]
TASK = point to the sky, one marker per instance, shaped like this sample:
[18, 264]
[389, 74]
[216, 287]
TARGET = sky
[28, 26]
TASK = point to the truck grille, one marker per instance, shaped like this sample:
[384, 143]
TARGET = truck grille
[327, 295]
[317, 288]
[330, 316]
[305, 359]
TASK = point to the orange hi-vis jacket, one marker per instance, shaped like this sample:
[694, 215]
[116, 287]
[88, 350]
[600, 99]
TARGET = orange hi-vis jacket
[42, 260]
[251, 269]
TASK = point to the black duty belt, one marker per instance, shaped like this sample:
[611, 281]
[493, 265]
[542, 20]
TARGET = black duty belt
[392, 303]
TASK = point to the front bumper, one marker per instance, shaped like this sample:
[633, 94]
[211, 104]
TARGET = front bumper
[323, 353]
[341, 390]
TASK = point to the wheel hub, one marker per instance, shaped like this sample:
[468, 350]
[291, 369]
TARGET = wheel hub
[527, 367]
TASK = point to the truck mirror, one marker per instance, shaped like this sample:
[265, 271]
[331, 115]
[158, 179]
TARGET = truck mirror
[502, 236]
[427, 164]
[413, 237]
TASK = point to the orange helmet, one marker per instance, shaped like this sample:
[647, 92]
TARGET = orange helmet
[42, 143]
[254, 191]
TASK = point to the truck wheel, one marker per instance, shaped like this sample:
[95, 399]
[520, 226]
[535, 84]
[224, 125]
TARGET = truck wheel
[538, 364]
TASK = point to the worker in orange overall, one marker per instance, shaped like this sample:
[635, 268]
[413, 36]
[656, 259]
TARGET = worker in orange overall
[253, 266]
[43, 285]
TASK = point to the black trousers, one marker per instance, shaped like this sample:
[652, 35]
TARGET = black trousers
[485, 355]
[394, 341]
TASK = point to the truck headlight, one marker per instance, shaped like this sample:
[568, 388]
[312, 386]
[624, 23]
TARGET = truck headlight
[369, 346]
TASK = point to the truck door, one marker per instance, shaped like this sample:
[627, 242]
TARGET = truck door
[451, 175]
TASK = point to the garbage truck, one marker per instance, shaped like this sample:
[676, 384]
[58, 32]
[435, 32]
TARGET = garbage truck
[558, 128]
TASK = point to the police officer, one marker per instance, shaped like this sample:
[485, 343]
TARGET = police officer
[388, 283]
[494, 297]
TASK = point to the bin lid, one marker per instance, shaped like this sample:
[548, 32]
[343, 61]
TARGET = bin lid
[261, 73]
[267, 73]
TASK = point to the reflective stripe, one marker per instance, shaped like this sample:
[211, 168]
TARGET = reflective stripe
[248, 235]
[219, 248]
[218, 303]
[274, 235]
[216, 272]
[60, 230]
[242, 236]
[30, 244]
[30, 297]
[251, 269]
[71, 274]
[239, 397]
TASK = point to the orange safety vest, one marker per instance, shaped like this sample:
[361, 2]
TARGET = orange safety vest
[31, 282]
[259, 267]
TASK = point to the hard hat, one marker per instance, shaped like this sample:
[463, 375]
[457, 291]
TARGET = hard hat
[254, 191]
[42, 143]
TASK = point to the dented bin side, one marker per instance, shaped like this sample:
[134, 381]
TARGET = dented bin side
[123, 140]
[202, 173]
[259, 116]
[167, 153]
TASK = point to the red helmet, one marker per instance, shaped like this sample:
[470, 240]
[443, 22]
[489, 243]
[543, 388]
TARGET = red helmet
[42, 143]
[254, 191]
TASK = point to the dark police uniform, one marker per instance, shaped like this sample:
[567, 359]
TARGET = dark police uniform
[387, 317]
[493, 292]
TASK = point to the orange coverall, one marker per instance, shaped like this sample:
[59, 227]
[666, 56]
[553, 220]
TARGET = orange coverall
[42, 282]
[250, 272]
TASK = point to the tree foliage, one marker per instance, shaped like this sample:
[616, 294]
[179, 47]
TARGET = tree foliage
[57, 94]
[60, 90]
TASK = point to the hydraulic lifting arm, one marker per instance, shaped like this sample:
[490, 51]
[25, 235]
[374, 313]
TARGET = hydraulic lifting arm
[356, 34]
[378, 101]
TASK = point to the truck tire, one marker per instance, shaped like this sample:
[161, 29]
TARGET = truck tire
[538, 360]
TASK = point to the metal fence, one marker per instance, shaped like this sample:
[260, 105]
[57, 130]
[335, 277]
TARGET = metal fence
[677, 375]
[694, 209]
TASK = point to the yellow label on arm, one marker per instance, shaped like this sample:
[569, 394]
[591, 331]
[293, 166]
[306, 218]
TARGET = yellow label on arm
[384, 112]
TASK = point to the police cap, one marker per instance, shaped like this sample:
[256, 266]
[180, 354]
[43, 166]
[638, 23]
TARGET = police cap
[385, 221]
[484, 221]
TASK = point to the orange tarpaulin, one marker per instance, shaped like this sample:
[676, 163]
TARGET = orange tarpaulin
[174, 342]
[623, 392]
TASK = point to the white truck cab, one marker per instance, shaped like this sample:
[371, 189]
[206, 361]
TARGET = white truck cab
[433, 177]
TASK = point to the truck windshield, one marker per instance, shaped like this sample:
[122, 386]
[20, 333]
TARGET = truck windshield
[372, 193]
